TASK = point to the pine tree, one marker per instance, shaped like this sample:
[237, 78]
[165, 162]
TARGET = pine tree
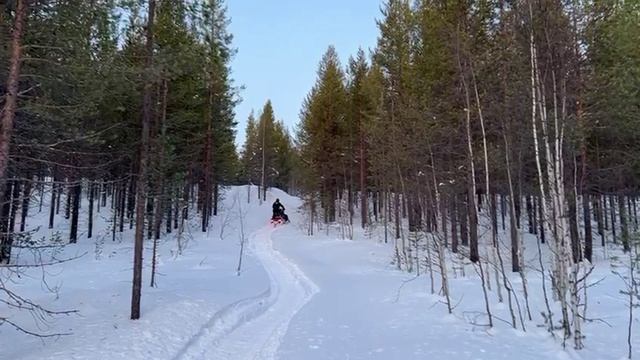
[360, 109]
[323, 137]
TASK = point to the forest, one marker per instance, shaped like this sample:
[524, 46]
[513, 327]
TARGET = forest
[475, 129]
[471, 119]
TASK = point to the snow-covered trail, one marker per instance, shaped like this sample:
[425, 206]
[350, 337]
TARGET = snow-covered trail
[252, 328]
[367, 310]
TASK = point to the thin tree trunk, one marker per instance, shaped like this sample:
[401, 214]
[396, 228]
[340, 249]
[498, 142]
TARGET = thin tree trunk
[635, 213]
[624, 224]
[150, 211]
[142, 171]
[513, 226]
[75, 210]
[26, 201]
[91, 202]
[59, 192]
[472, 205]
[605, 212]
[588, 233]
[131, 201]
[396, 212]
[103, 189]
[207, 192]
[612, 208]
[541, 220]
[67, 208]
[216, 197]
[52, 208]
[464, 221]
[573, 227]
[454, 223]
[6, 237]
[15, 203]
[41, 185]
[176, 210]
[534, 215]
[158, 211]
[122, 204]
[597, 208]
[443, 218]
[169, 207]
[374, 201]
[530, 216]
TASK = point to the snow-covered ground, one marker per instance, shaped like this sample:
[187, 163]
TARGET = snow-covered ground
[297, 297]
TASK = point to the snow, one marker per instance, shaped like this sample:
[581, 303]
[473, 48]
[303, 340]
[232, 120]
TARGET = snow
[297, 297]
[264, 319]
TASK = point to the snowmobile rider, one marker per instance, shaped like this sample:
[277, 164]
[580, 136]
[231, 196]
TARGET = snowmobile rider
[278, 211]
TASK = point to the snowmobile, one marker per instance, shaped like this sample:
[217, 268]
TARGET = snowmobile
[280, 219]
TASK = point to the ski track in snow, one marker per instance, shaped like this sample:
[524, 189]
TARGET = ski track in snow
[253, 328]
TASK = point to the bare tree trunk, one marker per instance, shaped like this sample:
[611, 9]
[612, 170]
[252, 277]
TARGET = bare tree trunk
[141, 195]
[26, 201]
[176, 210]
[635, 213]
[597, 208]
[541, 220]
[158, 211]
[375, 195]
[588, 233]
[529, 208]
[464, 221]
[59, 192]
[15, 203]
[103, 194]
[123, 203]
[75, 195]
[624, 224]
[207, 192]
[612, 212]
[443, 219]
[41, 186]
[534, 216]
[472, 207]
[169, 209]
[115, 207]
[150, 209]
[67, 207]
[396, 212]
[454, 223]
[541, 182]
[515, 240]
[131, 200]
[156, 237]
[52, 209]
[8, 111]
[573, 227]
[161, 197]
[6, 237]
[216, 197]
[91, 202]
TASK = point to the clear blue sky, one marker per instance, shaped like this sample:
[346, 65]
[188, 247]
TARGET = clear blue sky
[280, 43]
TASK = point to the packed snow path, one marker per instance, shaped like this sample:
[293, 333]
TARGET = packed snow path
[252, 328]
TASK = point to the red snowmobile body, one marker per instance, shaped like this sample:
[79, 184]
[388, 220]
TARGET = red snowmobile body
[278, 220]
